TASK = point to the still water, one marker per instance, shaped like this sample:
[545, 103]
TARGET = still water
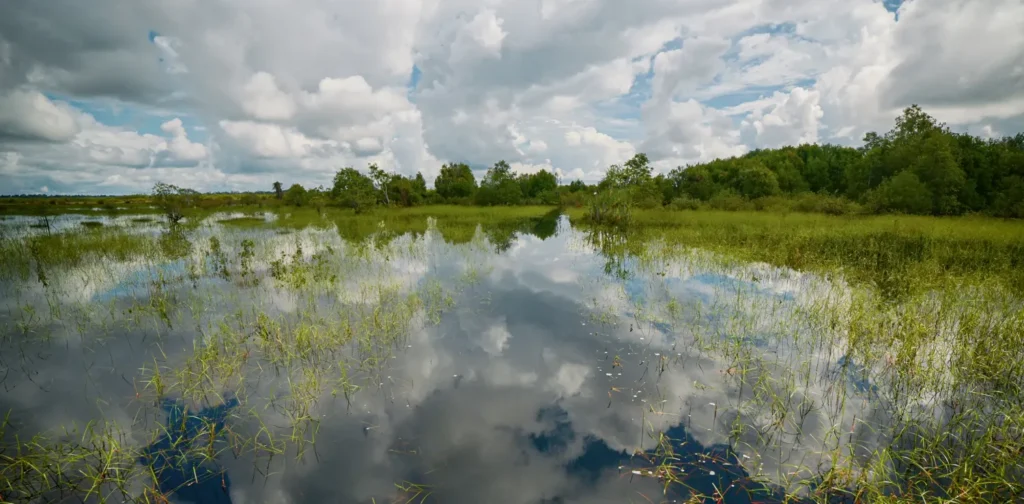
[511, 363]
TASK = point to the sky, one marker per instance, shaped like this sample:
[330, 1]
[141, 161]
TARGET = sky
[104, 97]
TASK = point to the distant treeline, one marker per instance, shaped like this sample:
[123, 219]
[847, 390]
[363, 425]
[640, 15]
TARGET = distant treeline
[919, 167]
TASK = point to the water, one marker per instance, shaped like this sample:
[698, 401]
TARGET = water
[534, 365]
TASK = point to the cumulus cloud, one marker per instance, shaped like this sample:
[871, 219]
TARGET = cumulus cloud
[30, 115]
[569, 85]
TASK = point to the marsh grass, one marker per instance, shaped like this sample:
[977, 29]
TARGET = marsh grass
[897, 254]
[908, 341]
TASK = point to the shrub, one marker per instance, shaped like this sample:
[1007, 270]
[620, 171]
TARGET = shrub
[173, 200]
[574, 199]
[611, 207]
[729, 200]
[772, 203]
[904, 193]
[685, 202]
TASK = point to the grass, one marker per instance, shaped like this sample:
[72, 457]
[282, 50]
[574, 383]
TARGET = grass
[924, 314]
[915, 252]
[903, 344]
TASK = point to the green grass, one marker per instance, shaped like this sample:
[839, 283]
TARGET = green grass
[917, 252]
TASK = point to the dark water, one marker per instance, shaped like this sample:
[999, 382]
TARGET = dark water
[557, 373]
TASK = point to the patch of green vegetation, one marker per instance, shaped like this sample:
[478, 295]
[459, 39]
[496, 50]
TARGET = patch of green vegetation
[893, 252]
[44, 253]
[925, 396]
[91, 224]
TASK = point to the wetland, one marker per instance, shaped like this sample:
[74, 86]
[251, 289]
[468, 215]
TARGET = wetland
[513, 355]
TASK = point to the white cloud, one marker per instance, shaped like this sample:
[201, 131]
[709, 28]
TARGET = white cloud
[262, 99]
[481, 37]
[680, 133]
[31, 115]
[179, 146]
[792, 120]
[270, 140]
[570, 85]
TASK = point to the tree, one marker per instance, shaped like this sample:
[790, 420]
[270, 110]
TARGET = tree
[499, 187]
[636, 171]
[577, 186]
[935, 165]
[419, 185]
[296, 195]
[756, 181]
[903, 193]
[353, 190]
[533, 185]
[403, 191]
[278, 191]
[173, 200]
[381, 179]
[455, 181]
[696, 182]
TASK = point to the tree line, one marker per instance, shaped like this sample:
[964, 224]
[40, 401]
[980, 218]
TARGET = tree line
[918, 167]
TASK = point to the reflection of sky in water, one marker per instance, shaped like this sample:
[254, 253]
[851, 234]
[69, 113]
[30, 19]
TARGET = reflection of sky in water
[515, 396]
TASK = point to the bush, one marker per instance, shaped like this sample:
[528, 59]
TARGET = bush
[610, 207]
[904, 193]
[772, 204]
[296, 196]
[646, 195]
[433, 198]
[173, 200]
[729, 200]
[574, 199]
[823, 203]
[685, 202]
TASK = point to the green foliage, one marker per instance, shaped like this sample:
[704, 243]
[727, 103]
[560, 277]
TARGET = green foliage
[611, 207]
[296, 195]
[577, 186]
[542, 185]
[381, 179]
[757, 181]
[353, 190]
[684, 202]
[635, 172]
[499, 187]
[455, 181]
[1009, 202]
[278, 191]
[729, 200]
[958, 172]
[904, 193]
[173, 200]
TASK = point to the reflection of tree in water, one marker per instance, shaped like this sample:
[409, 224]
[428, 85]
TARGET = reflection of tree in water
[616, 246]
[182, 465]
[546, 226]
[503, 234]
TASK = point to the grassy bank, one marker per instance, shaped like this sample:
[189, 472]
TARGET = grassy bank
[911, 251]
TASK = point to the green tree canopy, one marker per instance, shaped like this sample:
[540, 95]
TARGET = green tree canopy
[354, 190]
[296, 195]
[455, 181]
